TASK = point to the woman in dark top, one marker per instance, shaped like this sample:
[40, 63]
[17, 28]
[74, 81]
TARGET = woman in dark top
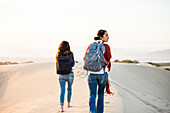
[64, 50]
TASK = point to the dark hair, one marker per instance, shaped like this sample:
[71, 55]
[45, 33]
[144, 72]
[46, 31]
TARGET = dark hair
[63, 49]
[100, 33]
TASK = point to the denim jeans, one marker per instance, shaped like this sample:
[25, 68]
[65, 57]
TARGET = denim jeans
[63, 79]
[93, 81]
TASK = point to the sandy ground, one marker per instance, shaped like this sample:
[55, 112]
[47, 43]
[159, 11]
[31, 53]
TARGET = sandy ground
[34, 88]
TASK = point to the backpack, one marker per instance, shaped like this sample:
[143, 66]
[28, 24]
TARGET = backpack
[94, 58]
[63, 64]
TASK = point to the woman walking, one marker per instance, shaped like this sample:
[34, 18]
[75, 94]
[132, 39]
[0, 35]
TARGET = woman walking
[99, 78]
[64, 64]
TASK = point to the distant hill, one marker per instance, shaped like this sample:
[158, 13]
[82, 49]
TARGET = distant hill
[160, 53]
[155, 56]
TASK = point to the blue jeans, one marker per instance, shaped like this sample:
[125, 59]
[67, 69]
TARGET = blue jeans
[93, 81]
[63, 79]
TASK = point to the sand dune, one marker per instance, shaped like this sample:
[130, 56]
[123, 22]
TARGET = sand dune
[34, 88]
[143, 89]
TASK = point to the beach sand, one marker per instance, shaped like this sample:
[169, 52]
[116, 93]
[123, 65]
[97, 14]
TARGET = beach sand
[34, 88]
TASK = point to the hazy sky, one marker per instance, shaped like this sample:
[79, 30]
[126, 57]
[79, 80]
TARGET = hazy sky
[36, 27]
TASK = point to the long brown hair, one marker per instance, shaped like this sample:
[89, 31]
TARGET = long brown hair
[63, 49]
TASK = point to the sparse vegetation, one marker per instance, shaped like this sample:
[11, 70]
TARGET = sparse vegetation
[7, 63]
[155, 64]
[126, 61]
[28, 62]
[116, 60]
[164, 64]
[135, 61]
[168, 69]
[10, 63]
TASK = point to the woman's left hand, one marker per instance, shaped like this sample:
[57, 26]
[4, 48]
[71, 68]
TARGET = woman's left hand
[106, 62]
